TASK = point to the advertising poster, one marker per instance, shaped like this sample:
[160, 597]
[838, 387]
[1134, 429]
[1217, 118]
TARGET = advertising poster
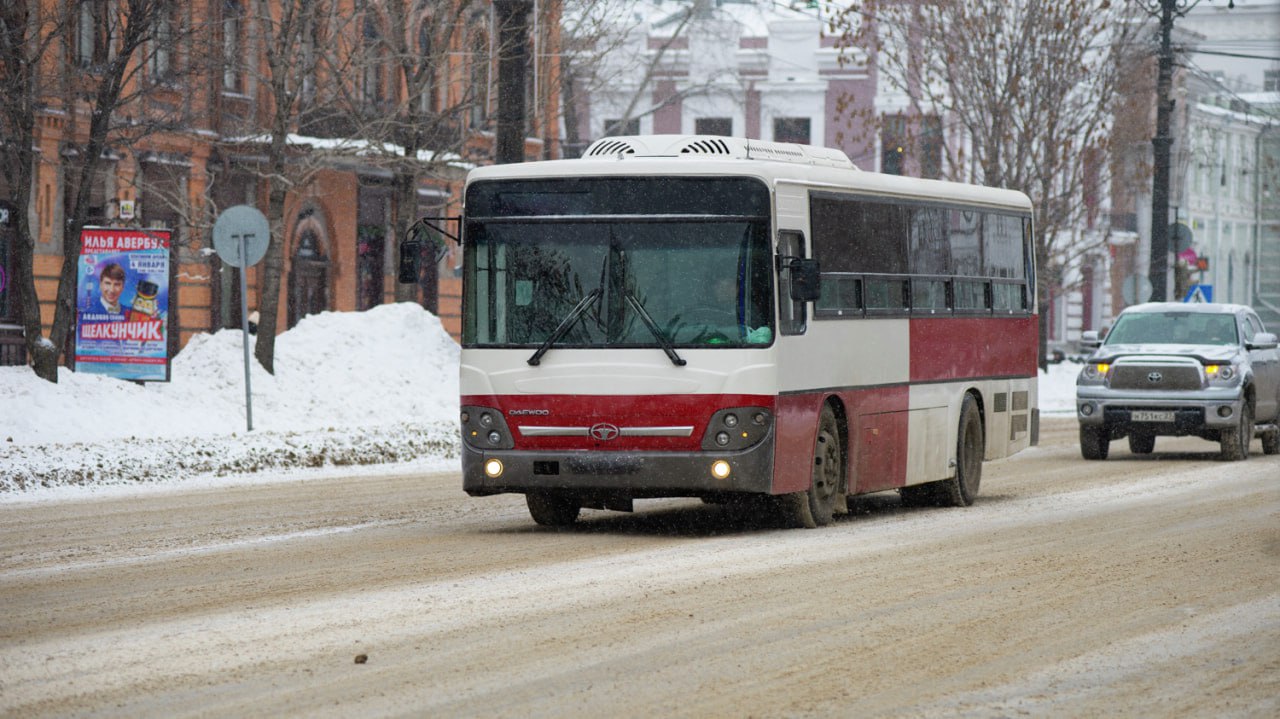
[122, 303]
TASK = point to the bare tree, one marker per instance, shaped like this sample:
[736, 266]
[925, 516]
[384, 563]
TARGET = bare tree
[606, 50]
[1025, 93]
[87, 61]
[294, 46]
[419, 129]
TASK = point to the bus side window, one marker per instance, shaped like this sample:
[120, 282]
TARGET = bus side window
[791, 314]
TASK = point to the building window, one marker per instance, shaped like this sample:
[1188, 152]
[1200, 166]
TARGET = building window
[792, 129]
[618, 126]
[713, 126]
[478, 94]
[160, 63]
[893, 140]
[931, 147]
[93, 33]
[428, 93]
[232, 45]
[1271, 80]
[373, 85]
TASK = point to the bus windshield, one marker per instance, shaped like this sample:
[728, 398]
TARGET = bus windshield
[618, 282]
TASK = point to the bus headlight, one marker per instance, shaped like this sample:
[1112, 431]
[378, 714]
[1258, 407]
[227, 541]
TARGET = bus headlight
[720, 469]
[484, 428]
[493, 468]
[729, 430]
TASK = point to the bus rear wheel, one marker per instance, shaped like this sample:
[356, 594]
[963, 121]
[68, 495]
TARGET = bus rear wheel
[971, 446]
[551, 509]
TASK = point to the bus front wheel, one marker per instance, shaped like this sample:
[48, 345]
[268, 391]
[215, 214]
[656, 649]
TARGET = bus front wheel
[551, 509]
[817, 506]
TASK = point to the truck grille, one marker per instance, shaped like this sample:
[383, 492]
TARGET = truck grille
[1156, 377]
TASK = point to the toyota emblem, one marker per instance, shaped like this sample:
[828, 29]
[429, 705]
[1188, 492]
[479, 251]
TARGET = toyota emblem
[603, 431]
[1154, 377]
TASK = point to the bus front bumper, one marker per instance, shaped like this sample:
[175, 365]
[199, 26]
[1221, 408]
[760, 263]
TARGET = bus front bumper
[627, 474]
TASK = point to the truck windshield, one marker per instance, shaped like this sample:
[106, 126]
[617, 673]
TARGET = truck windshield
[618, 262]
[1196, 328]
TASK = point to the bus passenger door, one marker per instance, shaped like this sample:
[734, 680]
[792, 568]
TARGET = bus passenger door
[792, 319]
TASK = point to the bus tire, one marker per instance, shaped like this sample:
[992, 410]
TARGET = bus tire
[816, 506]
[793, 510]
[971, 446]
[826, 489]
[551, 509]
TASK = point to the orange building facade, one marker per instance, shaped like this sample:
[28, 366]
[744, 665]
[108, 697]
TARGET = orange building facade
[344, 168]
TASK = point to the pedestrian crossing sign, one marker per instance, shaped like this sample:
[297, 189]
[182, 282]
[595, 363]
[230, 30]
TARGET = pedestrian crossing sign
[1199, 294]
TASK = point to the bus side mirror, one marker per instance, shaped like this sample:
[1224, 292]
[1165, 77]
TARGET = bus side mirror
[410, 250]
[422, 235]
[806, 280]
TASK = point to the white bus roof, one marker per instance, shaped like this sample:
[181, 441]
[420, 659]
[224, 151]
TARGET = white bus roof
[775, 162]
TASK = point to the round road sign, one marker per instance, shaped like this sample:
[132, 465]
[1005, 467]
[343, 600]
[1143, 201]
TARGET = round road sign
[235, 223]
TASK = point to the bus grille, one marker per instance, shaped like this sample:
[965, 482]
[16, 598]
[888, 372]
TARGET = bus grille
[1156, 377]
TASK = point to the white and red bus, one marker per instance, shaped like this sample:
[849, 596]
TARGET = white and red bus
[720, 318]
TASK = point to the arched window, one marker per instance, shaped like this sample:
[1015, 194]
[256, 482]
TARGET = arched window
[309, 266]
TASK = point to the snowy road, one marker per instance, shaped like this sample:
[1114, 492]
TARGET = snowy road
[1136, 586]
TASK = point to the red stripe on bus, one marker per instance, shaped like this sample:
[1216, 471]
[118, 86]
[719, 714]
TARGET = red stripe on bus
[956, 348]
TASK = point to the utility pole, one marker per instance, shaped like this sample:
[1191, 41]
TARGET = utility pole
[1160, 145]
[513, 54]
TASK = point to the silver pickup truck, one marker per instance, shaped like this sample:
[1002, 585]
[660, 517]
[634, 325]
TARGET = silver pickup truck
[1173, 369]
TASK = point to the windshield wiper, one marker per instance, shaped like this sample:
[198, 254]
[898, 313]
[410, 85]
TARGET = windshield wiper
[566, 324]
[657, 333]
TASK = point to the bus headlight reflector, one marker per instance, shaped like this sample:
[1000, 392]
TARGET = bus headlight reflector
[720, 469]
[722, 438]
[494, 437]
[493, 468]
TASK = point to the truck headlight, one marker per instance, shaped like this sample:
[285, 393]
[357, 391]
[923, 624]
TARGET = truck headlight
[1220, 372]
[1095, 371]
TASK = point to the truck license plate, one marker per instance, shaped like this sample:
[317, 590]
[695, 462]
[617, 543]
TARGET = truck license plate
[1141, 416]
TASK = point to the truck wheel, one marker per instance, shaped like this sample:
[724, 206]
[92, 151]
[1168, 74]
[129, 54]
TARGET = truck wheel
[1234, 442]
[1095, 442]
[1142, 443]
[1271, 441]
[552, 510]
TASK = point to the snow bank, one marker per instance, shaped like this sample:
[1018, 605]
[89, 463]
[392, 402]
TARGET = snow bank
[349, 388]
